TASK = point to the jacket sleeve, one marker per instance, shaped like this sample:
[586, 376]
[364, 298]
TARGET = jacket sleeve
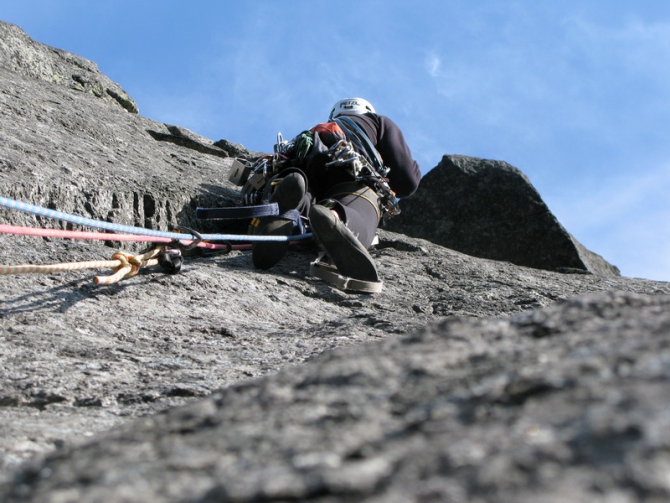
[405, 174]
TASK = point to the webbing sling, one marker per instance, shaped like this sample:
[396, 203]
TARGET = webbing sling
[330, 274]
[237, 212]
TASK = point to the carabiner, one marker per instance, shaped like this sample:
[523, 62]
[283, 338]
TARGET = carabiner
[176, 243]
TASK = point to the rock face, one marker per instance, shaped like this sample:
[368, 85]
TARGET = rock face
[490, 209]
[20, 54]
[69, 149]
[466, 379]
[568, 403]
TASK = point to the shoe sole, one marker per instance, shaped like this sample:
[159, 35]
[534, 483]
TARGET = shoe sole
[348, 254]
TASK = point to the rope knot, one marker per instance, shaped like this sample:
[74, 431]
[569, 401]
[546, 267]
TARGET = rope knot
[128, 265]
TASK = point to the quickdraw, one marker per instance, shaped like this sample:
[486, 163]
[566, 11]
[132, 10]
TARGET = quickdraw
[358, 166]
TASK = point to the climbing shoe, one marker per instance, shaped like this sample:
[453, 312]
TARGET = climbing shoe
[344, 249]
[289, 192]
[287, 195]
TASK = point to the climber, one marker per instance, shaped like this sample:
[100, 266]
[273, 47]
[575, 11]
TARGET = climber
[343, 209]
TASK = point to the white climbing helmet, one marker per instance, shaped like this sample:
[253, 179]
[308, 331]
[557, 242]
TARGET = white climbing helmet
[351, 106]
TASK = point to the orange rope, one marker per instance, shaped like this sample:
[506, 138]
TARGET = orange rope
[123, 264]
[129, 265]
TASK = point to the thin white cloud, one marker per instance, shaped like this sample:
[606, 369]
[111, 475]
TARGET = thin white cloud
[609, 198]
[433, 64]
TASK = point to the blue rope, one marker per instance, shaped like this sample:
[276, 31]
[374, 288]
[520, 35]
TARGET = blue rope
[100, 224]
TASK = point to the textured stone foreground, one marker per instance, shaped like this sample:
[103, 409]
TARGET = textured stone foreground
[466, 379]
[566, 403]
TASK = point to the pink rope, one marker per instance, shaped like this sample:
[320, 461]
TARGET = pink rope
[103, 236]
[124, 264]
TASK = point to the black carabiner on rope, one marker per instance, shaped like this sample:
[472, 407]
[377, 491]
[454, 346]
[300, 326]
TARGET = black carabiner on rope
[176, 243]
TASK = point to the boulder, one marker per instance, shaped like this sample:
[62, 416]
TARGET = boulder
[490, 209]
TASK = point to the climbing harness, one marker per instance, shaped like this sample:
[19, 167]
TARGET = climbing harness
[354, 153]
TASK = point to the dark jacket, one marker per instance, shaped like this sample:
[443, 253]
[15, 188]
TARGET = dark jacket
[389, 141]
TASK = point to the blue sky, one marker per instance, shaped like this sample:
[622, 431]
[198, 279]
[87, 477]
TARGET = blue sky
[576, 94]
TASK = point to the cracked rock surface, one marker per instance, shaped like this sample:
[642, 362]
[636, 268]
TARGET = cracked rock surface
[466, 379]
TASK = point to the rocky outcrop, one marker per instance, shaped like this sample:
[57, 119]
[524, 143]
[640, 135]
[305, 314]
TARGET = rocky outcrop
[20, 54]
[490, 209]
[66, 149]
[465, 379]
